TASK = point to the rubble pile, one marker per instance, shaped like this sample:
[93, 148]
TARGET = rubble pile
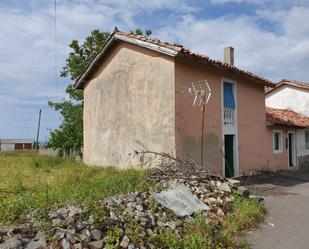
[128, 220]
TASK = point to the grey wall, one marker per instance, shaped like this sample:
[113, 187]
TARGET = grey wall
[130, 98]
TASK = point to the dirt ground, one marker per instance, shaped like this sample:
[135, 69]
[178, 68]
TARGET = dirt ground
[286, 197]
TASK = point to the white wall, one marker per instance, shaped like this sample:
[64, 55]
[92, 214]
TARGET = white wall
[301, 150]
[289, 97]
[297, 100]
[7, 147]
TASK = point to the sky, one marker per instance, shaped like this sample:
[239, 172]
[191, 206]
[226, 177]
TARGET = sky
[270, 37]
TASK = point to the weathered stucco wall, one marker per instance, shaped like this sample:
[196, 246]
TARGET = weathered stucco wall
[255, 139]
[131, 97]
[302, 152]
[255, 145]
[289, 97]
[189, 118]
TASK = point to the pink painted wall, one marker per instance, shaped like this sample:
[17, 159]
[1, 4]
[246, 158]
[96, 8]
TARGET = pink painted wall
[188, 118]
[255, 140]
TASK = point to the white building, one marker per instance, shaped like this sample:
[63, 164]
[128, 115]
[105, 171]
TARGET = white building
[16, 144]
[293, 96]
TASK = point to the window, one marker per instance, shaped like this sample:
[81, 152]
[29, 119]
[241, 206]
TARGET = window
[307, 140]
[229, 100]
[277, 140]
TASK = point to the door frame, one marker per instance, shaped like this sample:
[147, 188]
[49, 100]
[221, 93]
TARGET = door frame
[293, 133]
[235, 133]
[234, 154]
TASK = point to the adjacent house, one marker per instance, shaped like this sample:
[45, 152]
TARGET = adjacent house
[291, 102]
[16, 144]
[136, 89]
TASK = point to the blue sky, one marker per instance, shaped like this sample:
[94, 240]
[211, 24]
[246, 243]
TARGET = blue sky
[271, 38]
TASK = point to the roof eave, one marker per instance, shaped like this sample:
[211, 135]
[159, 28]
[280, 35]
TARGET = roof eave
[264, 82]
[79, 82]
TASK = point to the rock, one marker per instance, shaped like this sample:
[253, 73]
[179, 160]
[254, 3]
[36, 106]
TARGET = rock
[77, 246]
[113, 215]
[59, 234]
[139, 208]
[125, 242]
[65, 244]
[91, 220]
[38, 242]
[171, 225]
[225, 187]
[220, 212]
[12, 244]
[57, 222]
[234, 183]
[74, 211]
[131, 246]
[95, 234]
[96, 244]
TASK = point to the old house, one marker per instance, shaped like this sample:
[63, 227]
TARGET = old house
[289, 100]
[136, 89]
[16, 144]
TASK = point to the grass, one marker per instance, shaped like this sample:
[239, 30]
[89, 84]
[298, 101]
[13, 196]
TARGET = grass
[29, 181]
[201, 234]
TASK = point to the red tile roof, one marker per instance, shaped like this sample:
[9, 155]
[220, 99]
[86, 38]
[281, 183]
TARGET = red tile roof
[184, 51]
[286, 118]
[293, 83]
[177, 49]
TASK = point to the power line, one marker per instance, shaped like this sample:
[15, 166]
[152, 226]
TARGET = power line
[56, 41]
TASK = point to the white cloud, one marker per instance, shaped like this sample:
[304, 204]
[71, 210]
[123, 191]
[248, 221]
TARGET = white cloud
[273, 55]
[27, 43]
[27, 48]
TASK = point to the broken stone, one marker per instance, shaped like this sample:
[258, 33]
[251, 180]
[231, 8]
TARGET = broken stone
[65, 244]
[96, 244]
[225, 187]
[95, 234]
[220, 212]
[113, 215]
[56, 222]
[234, 183]
[131, 246]
[139, 208]
[38, 242]
[12, 243]
[78, 246]
[125, 242]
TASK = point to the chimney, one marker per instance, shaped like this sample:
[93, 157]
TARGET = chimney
[229, 55]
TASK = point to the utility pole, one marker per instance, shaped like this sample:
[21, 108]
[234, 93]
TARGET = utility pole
[38, 131]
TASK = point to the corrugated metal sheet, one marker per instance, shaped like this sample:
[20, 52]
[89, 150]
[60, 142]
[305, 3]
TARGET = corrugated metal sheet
[16, 141]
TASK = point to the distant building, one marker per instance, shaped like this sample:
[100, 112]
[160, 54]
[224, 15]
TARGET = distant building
[16, 144]
[289, 101]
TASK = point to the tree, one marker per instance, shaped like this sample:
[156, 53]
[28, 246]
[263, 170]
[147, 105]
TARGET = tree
[69, 135]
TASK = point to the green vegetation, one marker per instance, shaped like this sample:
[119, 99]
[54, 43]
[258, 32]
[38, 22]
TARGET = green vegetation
[201, 234]
[68, 137]
[29, 181]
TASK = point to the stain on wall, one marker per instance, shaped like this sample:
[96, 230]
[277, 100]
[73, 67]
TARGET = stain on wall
[129, 99]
